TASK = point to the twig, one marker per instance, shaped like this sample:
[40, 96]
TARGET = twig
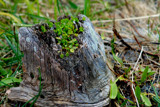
[153, 61]
[131, 18]
[127, 6]
[111, 32]
[119, 37]
[126, 44]
[103, 30]
[132, 75]
[137, 40]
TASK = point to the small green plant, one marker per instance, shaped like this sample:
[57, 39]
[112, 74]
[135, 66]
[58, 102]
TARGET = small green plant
[67, 35]
[83, 18]
[143, 74]
[43, 29]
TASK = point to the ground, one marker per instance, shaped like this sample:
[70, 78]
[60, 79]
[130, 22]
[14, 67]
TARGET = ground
[131, 41]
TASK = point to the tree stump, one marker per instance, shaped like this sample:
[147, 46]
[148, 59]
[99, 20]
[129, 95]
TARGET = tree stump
[82, 79]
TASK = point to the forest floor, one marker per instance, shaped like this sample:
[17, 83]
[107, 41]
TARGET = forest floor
[130, 30]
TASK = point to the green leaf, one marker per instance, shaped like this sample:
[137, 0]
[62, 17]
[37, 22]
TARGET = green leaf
[76, 34]
[43, 29]
[119, 60]
[113, 90]
[128, 69]
[73, 40]
[50, 24]
[72, 50]
[102, 36]
[70, 32]
[76, 44]
[124, 103]
[62, 55]
[74, 47]
[74, 6]
[138, 92]
[144, 74]
[122, 78]
[83, 18]
[151, 73]
[70, 46]
[3, 71]
[81, 29]
[112, 46]
[67, 54]
[9, 80]
[58, 38]
[145, 100]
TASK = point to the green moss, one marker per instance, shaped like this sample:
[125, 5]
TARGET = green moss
[67, 35]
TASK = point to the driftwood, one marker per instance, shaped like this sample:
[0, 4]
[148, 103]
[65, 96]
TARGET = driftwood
[82, 79]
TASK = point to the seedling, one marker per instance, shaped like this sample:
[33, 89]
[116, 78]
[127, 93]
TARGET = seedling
[67, 35]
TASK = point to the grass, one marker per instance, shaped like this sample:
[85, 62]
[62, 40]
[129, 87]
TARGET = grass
[17, 13]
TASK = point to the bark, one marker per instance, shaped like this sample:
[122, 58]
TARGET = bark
[82, 79]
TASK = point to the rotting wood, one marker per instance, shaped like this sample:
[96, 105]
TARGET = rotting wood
[82, 79]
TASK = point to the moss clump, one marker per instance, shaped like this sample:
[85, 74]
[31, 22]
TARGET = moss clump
[67, 30]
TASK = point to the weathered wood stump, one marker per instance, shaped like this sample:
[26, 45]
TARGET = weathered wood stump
[82, 79]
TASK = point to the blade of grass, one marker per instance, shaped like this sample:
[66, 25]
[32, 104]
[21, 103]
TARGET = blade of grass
[156, 98]
[1, 82]
[19, 65]
[37, 17]
[10, 44]
[14, 49]
[73, 5]
[24, 105]
[12, 60]
[55, 9]
[60, 7]
[38, 10]
[11, 16]
[144, 74]
[77, 11]
[30, 8]
[2, 2]
[86, 7]
[68, 11]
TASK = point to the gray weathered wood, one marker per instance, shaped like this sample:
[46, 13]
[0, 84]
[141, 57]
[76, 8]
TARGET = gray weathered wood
[82, 79]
